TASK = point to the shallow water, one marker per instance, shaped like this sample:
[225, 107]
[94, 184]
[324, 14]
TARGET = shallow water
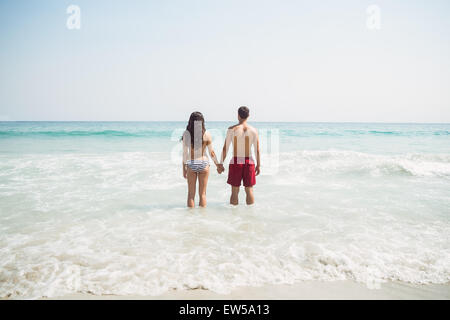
[99, 207]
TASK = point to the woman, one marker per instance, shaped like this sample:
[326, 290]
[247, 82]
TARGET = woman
[195, 161]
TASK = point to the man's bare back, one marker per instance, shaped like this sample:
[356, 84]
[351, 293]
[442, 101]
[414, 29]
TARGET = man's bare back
[242, 169]
[243, 137]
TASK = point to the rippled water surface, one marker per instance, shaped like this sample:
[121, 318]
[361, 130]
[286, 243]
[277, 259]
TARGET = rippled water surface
[99, 207]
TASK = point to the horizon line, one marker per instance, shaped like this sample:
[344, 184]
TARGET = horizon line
[143, 121]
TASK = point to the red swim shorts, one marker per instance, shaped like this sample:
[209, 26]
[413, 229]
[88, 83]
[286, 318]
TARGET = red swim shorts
[241, 169]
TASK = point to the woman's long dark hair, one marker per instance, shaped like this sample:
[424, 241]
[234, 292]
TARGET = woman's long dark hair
[196, 116]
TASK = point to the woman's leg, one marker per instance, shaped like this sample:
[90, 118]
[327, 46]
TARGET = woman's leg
[202, 183]
[191, 180]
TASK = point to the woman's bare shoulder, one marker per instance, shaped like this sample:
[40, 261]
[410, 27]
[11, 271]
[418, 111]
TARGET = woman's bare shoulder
[207, 136]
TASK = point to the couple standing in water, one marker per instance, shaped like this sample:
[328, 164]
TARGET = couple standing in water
[241, 169]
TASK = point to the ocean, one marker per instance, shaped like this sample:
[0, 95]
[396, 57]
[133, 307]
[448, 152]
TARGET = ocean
[99, 207]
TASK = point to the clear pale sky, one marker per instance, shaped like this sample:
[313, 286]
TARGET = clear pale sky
[286, 60]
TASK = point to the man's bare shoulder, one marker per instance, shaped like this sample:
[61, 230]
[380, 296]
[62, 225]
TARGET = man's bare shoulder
[252, 130]
[234, 126]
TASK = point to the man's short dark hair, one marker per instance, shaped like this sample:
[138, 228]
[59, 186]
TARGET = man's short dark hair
[243, 112]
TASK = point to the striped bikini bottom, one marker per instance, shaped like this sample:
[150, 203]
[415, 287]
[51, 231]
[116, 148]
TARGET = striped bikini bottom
[197, 165]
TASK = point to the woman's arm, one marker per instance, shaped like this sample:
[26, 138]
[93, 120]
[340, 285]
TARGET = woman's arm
[219, 165]
[210, 148]
[186, 143]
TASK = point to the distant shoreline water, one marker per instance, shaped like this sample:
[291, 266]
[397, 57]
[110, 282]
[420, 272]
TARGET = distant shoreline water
[147, 127]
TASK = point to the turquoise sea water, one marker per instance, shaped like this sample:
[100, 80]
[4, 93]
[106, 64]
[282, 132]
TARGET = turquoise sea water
[100, 207]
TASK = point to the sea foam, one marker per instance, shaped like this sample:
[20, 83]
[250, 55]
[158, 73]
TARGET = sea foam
[112, 220]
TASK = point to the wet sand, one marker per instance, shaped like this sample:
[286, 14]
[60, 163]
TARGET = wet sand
[306, 290]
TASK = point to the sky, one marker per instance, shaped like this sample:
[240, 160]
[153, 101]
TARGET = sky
[286, 60]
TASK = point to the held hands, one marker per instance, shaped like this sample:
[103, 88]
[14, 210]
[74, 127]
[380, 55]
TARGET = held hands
[220, 168]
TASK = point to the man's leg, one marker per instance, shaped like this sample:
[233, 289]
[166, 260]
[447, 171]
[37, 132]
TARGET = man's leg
[249, 192]
[234, 199]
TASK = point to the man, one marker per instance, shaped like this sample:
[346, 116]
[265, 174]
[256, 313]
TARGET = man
[242, 167]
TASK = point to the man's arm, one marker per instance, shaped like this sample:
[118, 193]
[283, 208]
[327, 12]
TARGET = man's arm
[258, 158]
[226, 145]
